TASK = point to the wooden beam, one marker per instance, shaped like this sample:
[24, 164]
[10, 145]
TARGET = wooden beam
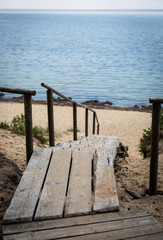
[106, 198]
[18, 91]
[79, 192]
[24, 201]
[75, 121]
[154, 148]
[50, 118]
[51, 204]
[28, 126]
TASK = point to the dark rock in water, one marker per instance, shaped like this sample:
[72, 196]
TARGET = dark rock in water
[91, 102]
[97, 103]
[19, 98]
[110, 103]
[149, 107]
[2, 95]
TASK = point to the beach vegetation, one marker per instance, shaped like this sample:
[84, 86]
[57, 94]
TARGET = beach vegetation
[18, 124]
[145, 141]
[4, 125]
[41, 134]
[71, 130]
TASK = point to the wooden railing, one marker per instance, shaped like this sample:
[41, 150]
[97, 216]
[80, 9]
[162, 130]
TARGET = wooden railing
[154, 144]
[28, 116]
[50, 91]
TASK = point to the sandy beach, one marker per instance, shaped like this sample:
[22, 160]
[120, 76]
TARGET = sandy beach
[131, 173]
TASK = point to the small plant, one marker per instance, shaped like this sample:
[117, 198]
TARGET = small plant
[71, 130]
[41, 134]
[145, 141]
[4, 125]
[18, 124]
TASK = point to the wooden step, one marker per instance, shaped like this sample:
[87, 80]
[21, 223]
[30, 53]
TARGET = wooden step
[24, 201]
[115, 226]
[51, 203]
[106, 198]
[79, 192]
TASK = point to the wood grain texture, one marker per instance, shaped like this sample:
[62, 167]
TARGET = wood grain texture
[151, 232]
[79, 193]
[23, 203]
[70, 222]
[106, 198]
[52, 199]
[117, 227]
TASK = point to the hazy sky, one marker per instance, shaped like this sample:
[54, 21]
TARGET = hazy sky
[81, 4]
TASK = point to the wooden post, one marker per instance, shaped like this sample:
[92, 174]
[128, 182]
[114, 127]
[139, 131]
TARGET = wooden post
[154, 148]
[75, 121]
[98, 128]
[28, 126]
[86, 122]
[94, 118]
[50, 118]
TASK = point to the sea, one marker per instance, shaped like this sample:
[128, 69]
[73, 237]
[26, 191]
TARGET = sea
[114, 56]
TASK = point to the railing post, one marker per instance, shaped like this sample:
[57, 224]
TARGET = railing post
[28, 126]
[86, 122]
[154, 148]
[50, 118]
[75, 121]
[98, 128]
[94, 118]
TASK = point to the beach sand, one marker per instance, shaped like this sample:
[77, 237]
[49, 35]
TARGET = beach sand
[132, 173]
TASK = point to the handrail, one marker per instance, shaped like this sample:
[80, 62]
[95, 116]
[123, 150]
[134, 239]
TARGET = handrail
[64, 97]
[50, 90]
[18, 91]
[28, 116]
[156, 111]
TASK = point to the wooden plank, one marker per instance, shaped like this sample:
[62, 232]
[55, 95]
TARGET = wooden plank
[85, 229]
[151, 232]
[106, 198]
[156, 236]
[52, 199]
[79, 193]
[23, 203]
[69, 222]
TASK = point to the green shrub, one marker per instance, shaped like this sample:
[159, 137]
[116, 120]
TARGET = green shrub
[18, 124]
[41, 134]
[4, 125]
[145, 141]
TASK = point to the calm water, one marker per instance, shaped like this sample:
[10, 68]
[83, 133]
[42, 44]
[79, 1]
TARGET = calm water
[115, 57]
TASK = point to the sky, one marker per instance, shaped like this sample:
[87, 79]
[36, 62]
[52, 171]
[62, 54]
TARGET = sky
[81, 4]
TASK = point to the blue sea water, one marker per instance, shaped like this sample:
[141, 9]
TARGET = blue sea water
[108, 56]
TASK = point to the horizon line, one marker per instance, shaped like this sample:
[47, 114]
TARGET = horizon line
[35, 9]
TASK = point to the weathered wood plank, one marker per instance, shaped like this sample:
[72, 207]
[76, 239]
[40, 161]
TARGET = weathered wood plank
[79, 193]
[156, 236]
[85, 229]
[52, 199]
[106, 198]
[70, 222]
[151, 232]
[23, 203]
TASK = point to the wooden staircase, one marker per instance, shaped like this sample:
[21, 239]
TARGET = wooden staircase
[63, 183]
[71, 179]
